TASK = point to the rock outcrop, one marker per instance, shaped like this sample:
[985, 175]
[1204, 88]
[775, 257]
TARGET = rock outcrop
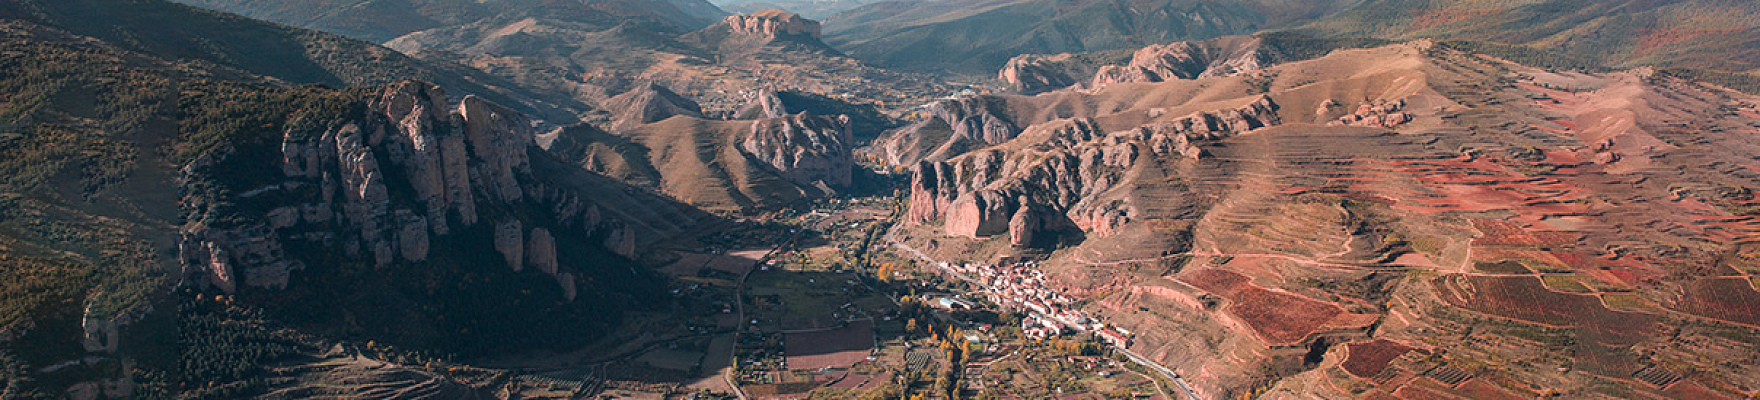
[953, 127]
[806, 149]
[1065, 183]
[773, 24]
[1189, 60]
[1037, 73]
[1378, 113]
[383, 186]
[866, 120]
[767, 103]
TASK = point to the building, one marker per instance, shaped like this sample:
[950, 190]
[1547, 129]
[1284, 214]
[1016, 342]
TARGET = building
[1117, 339]
[954, 304]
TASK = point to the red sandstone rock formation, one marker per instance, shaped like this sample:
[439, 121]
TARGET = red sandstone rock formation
[773, 24]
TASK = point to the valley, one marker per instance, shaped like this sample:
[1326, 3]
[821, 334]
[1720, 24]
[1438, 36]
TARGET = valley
[1015, 199]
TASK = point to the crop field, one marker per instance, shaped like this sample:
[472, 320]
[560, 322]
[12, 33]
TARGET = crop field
[1278, 317]
[1728, 298]
[1527, 299]
[687, 264]
[1370, 358]
[737, 262]
[800, 300]
[1508, 267]
[835, 348]
[1504, 233]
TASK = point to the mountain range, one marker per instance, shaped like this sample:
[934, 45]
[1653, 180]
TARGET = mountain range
[548, 198]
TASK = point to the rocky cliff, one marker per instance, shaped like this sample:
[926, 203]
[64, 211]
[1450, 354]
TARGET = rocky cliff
[1189, 60]
[773, 24]
[382, 186]
[1064, 182]
[952, 128]
[806, 149]
[1037, 73]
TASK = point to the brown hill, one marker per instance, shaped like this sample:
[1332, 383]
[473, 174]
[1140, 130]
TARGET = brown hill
[1711, 34]
[382, 20]
[287, 217]
[726, 165]
[720, 66]
[974, 38]
[1472, 210]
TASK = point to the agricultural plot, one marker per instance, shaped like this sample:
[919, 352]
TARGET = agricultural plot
[1528, 299]
[1278, 317]
[1730, 299]
[789, 300]
[1370, 358]
[833, 348]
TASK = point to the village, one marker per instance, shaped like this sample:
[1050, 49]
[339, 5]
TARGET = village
[817, 303]
[1019, 285]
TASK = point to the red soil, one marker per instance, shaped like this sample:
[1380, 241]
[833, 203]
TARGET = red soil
[1526, 298]
[1478, 388]
[1691, 390]
[1729, 298]
[1505, 233]
[1280, 318]
[1414, 392]
[1368, 359]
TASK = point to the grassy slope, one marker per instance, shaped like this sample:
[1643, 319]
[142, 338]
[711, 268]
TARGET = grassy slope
[976, 38]
[243, 47]
[1710, 34]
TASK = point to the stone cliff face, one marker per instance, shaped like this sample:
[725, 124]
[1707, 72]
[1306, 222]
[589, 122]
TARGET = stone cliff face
[1187, 60]
[1034, 73]
[382, 186]
[1065, 183]
[806, 149]
[953, 127]
[1377, 114]
[773, 24]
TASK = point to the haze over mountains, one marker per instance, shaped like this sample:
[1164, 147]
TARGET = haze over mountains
[561, 198]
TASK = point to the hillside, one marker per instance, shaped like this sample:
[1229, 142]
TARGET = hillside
[1710, 34]
[909, 199]
[381, 20]
[290, 219]
[775, 154]
[245, 48]
[975, 38]
[720, 66]
[807, 8]
[1410, 220]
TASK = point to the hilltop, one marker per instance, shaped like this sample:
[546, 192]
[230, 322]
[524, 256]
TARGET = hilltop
[1345, 225]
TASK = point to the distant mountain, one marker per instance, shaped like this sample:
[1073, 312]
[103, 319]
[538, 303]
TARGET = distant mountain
[244, 47]
[1715, 34]
[806, 8]
[978, 37]
[382, 20]
[975, 37]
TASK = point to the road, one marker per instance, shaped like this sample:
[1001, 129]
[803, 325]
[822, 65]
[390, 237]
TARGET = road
[739, 290]
[1183, 387]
